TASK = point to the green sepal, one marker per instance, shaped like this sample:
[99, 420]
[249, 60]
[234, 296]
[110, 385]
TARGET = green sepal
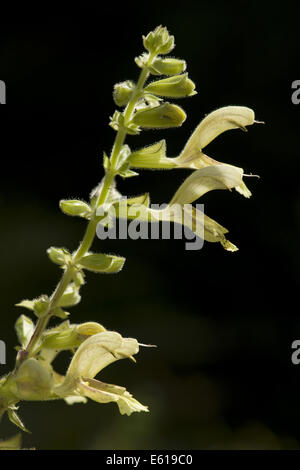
[122, 207]
[123, 92]
[24, 328]
[153, 156]
[117, 263]
[29, 304]
[60, 313]
[106, 162]
[116, 120]
[102, 263]
[142, 60]
[61, 340]
[122, 166]
[14, 418]
[33, 381]
[41, 305]
[128, 173]
[59, 256]
[70, 297]
[151, 100]
[75, 207]
[122, 158]
[117, 123]
[78, 277]
[66, 336]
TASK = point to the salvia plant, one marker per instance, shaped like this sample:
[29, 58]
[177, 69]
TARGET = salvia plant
[93, 347]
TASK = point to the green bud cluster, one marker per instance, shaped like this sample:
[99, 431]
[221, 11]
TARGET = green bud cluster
[159, 41]
[143, 102]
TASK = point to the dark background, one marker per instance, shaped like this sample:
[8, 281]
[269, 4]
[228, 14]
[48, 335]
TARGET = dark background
[222, 375]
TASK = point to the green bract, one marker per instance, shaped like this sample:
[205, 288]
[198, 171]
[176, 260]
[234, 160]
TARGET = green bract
[24, 328]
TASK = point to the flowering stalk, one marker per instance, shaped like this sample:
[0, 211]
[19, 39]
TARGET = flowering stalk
[94, 347]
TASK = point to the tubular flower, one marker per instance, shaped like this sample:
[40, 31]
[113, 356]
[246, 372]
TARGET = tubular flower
[192, 156]
[181, 211]
[214, 124]
[91, 357]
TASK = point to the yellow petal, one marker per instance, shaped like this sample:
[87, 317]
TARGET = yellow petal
[200, 224]
[214, 124]
[205, 227]
[242, 189]
[207, 179]
[94, 354]
[106, 393]
[181, 211]
[194, 160]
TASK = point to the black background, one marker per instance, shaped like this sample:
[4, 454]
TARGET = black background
[222, 375]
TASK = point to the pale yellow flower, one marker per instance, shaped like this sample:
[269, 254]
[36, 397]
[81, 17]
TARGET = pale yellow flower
[91, 357]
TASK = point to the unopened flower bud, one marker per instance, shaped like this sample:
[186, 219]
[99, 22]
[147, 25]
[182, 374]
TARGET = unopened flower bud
[75, 207]
[89, 328]
[159, 41]
[61, 340]
[167, 66]
[101, 263]
[122, 92]
[178, 86]
[163, 116]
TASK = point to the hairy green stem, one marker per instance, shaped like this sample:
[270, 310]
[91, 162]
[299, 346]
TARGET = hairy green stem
[121, 135]
[67, 276]
[92, 225]
[43, 321]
